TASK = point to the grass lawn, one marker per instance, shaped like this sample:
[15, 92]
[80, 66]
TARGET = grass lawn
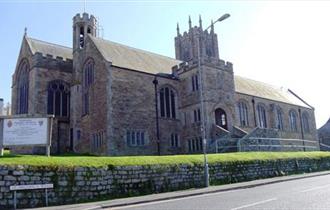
[99, 161]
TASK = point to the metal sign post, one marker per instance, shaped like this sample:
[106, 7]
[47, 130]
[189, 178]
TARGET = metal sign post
[1, 138]
[50, 134]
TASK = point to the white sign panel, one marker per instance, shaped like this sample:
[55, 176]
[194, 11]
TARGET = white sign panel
[25, 131]
[31, 187]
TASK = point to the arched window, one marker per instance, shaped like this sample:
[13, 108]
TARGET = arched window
[88, 73]
[23, 88]
[58, 99]
[293, 120]
[262, 121]
[167, 102]
[279, 118]
[243, 113]
[305, 122]
[88, 80]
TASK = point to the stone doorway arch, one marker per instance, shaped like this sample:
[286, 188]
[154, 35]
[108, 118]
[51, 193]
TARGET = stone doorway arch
[221, 118]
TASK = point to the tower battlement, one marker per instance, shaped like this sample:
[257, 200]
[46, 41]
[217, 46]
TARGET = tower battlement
[209, 62]
[82, 25]
[84, 17]
[196, 42]
[52, 62]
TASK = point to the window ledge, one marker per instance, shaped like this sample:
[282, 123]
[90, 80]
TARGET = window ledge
[169, 119]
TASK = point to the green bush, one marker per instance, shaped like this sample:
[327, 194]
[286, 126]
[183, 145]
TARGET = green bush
[74, 160]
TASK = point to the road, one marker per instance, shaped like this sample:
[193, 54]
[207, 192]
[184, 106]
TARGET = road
[309, 193]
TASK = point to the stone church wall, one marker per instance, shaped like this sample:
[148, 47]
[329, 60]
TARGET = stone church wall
[270, 117]
[44, 69]
[133, 109]
[94, 123]
[24, 54]
[218, 86]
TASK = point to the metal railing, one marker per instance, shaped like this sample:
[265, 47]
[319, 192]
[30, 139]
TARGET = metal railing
[226, 144]
[325, 145]
[275, 144]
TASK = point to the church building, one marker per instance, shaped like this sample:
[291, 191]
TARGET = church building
[112, 99]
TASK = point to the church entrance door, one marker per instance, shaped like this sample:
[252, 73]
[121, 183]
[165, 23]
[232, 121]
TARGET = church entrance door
[63, 137]
[221, 118]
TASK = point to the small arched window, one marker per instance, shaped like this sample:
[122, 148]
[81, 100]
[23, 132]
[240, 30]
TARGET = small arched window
[88, 80]
[167, 102]
[81, 37]
[243, 113]
[262, 120]
[279, 118]
[293, 120]
[58, 99]
[23, 88]
[305, 122]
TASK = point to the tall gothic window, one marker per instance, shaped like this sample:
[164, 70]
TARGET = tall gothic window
[167, 103]
[293, 120]
[305, 122]
[23, 88]
[58, 99]
[88, 80]
[262, 121]
[243, 113]
[194, 82]
[279, 119]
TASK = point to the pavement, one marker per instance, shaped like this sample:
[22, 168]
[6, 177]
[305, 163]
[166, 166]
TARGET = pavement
[131, 201]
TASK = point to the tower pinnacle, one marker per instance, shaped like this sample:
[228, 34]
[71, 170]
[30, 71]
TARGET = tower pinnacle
[212, 26]
[189, 22]
[177, 29]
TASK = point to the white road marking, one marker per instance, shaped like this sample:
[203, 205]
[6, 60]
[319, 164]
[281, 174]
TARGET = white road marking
[91, 208]
[254, 204]
[315, 188]
[172, 200]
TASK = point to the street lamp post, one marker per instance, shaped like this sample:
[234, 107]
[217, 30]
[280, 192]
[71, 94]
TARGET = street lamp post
[201, 95]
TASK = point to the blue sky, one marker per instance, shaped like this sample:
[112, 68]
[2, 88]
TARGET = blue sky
[278, 42]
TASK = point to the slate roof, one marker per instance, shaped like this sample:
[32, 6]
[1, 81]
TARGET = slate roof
[140, 60]
[264, 90]
[132, 58]
[49, 48]
[324, 131]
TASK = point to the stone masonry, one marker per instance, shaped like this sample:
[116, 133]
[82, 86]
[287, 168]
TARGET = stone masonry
[81, 184]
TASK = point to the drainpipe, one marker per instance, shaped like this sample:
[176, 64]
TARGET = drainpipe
[155, 82]
[301, 128]
[58, 137]
[254, 112]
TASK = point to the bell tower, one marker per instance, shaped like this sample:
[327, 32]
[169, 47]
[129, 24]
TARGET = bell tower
[186, 44]
[83, 25]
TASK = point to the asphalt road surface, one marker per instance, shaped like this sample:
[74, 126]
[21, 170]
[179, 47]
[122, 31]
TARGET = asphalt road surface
[309, 193]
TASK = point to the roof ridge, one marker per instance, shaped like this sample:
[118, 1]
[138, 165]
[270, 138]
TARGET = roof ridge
[134, 48]
[48, 42]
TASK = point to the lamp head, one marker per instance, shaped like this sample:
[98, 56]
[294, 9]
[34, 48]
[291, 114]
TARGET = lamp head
[223, 17]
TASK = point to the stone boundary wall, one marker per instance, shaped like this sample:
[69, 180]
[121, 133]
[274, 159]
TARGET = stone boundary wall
[81, 184]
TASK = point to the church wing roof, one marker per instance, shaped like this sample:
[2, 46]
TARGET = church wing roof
[47, 48]
[132, 58]
[263, 90]
[324, 131]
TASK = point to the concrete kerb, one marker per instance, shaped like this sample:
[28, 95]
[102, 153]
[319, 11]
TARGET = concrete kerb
[212, 189]
[184, 193]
